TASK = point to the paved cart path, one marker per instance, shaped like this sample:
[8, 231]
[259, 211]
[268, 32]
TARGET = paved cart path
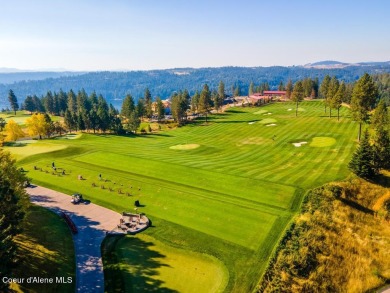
[92, 222]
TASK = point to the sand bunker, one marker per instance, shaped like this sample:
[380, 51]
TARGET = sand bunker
[190, 146]
[269, 113]
[272, 124]
[289, 109]
[252, 122]
[322, 141]
[299, 144]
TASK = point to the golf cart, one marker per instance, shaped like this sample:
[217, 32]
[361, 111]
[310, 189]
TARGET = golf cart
[77, 198]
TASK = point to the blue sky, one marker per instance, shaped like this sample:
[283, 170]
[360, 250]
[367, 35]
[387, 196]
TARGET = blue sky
[156, 34]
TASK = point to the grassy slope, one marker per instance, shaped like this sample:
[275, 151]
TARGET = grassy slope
[46, 250]
[335, 245]
[238, 190]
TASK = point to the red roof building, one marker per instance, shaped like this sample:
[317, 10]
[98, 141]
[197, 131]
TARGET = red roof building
[274, 93]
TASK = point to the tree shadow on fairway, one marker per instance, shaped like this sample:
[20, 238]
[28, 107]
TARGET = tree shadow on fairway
[131, 265]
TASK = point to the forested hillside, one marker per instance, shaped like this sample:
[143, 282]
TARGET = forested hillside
[115, 85]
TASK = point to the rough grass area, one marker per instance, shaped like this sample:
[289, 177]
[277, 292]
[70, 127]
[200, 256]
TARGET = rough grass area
[143, 264]
[337, 243]
[231, 198]
[46, 251]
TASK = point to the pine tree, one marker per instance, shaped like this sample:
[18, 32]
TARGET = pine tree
[297, 95]
[148, 103]
[221, 93]
[13, 101]
[281, 86]
[251, 89]
[363, 99]
[13, 202]
[289, 89]
[324, 89]
[331, 93]
[160, 110]
[205, 100]
[128, 106]
[362, 162]
[381, 123]
[338, 99]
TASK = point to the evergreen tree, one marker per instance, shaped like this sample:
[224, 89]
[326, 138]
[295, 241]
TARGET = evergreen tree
[72, 106]
[128, 106]
[363, 99]
[68, 120]
[62, 101]
[362, 162]
[13, 203]
[331, 94]
[324, 89]
[281, 86]
[237, 91]
[38, 104]
[13, 101]
[297, 95]
[205, 100]
[195, 102]
[160, 110]
[251, 89]
[140, 108]
[102, 114]
[381, 124]
[148, 103]
[338, 99]
[289, 89]
[29, 104]
[133, 122]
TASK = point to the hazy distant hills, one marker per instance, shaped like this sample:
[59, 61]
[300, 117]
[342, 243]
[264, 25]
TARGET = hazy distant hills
[115, 85]
[329, 64]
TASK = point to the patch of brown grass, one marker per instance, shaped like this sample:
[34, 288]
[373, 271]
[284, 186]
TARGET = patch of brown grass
[337, 244]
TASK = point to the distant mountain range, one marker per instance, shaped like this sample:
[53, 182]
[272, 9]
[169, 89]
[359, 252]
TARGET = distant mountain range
[329, 64]
[114, 85]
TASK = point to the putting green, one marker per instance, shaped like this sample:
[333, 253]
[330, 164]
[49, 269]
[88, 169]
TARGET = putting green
[185, 146]
[267, 121]
[260, 112]
[26, 149]
[322, 141]
[143, 257]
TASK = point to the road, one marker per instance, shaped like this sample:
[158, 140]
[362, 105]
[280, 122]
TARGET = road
[92, 222]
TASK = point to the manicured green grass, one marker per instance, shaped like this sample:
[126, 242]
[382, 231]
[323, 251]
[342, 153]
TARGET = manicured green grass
[160, 267]
[22, 149]
[230, 198]
[46, 251]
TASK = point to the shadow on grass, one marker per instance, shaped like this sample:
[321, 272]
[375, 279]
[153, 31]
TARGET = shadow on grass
[357, 206]
[43, 252]
[130, 265]
[382, 180]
